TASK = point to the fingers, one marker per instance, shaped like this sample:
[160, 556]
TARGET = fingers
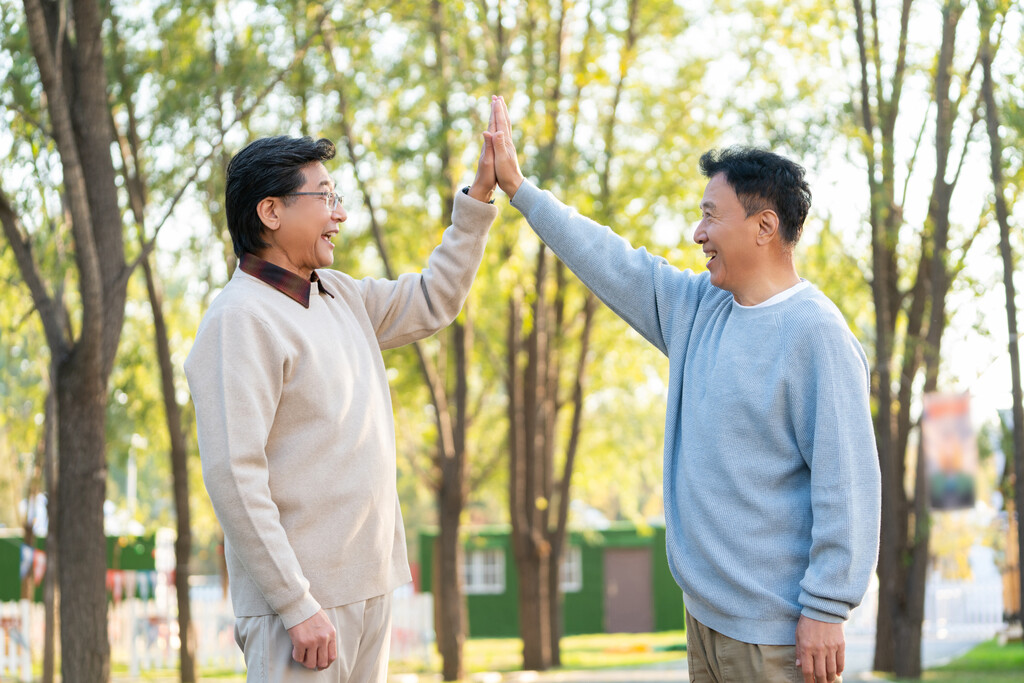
[499, 137]
[486, 151]
[504, 122]
[323, 658]
[314, 642]
[805, 663]
[820, 667]
[830, 667]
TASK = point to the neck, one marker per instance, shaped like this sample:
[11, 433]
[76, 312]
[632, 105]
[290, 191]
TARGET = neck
[765, 284]
[279, 258]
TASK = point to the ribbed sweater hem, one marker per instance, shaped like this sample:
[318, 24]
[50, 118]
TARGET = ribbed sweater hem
[758, 631]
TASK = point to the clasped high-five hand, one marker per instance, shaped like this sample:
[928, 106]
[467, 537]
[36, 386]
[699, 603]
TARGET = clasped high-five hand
[499, 138]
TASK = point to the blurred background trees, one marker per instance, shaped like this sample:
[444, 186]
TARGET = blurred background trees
[537, 395]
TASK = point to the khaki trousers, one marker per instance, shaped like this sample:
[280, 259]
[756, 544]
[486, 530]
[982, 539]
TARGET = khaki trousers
[364, 641]
[714, 658]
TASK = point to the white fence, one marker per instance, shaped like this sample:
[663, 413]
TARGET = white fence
[15, 638]
[144, 633]
[952, 609]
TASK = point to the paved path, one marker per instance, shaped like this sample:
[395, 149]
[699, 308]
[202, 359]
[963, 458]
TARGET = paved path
[859, 654]
[860, 651]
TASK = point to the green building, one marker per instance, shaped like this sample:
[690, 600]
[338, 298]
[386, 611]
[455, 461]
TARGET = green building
[124, 553]
[614, 580]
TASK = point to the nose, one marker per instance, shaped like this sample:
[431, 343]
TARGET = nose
[699, 236]
[339, 214]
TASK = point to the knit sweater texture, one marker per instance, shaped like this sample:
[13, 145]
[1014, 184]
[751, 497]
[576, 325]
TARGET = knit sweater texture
[771, 482]
[296, 433]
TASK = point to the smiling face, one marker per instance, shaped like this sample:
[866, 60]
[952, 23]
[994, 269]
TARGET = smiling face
[300, 228]
[728, 236]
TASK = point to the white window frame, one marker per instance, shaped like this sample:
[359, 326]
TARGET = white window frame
[570, 577]
[483, 572]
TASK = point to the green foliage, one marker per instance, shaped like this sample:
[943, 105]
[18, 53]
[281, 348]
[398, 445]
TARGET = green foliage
[23, 381]
[203, 78]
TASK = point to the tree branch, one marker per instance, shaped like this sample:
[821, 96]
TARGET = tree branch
[90, 276]
[57, 335]
[148, 245]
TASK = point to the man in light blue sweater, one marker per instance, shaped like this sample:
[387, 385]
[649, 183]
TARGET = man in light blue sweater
[772, 488]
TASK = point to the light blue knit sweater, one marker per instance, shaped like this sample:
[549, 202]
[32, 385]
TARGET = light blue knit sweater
[772, 488]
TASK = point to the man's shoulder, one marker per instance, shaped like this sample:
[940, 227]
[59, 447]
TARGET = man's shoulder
[340, 280]
[814, 309]
[248, 303]
[242, 293]
[816, 325]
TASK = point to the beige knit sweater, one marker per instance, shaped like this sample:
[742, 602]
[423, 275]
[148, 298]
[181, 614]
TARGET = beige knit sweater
[295, 424]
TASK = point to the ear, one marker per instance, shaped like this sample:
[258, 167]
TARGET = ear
[767, 226]
[269, 211]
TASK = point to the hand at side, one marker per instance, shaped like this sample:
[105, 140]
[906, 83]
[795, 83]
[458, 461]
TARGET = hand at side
[314, 642]
[820, 650]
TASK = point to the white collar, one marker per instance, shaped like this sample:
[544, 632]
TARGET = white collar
[780, 297]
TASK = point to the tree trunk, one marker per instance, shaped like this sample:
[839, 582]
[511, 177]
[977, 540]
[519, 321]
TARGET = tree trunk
[81, 490]
[534, 605]
[451, 499]
[179, 476]
[449, 605]
[918, 315]
[1006, 252]
[68, 49]
[50, 592]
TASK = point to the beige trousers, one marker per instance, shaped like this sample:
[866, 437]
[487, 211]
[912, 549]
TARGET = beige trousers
[714, 658]
[364, 640]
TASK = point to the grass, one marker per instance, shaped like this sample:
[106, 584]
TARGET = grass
[592, 651]
[989, 662]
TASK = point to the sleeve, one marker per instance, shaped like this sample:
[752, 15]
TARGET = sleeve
[642, 289]
[840, 451]
[416, 305]
[236, 373]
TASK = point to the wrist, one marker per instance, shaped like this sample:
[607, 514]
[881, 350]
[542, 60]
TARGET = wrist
[513, 187]
[480, 194]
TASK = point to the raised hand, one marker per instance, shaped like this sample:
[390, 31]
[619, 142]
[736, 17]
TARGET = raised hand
[485, 181]
[506, 163]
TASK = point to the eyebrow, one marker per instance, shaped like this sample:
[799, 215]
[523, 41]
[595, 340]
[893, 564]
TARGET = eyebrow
[707, 206]
[329, 183]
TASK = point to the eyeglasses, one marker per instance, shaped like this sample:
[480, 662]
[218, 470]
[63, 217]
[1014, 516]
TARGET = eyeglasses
[332, 200]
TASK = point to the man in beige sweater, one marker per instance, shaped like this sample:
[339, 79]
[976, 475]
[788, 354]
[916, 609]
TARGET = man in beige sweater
[294, 414]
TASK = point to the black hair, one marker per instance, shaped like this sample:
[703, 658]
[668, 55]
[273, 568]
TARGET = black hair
[268, 167]
[764, 180]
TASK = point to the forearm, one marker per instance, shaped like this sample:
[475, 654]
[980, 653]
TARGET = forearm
[417, 305]
[252, 526]
[845, 491]
[627, 280]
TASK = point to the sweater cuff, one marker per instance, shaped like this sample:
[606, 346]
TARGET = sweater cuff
[527, 197]
[297, 612]
[472, 212]
[821, 609]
